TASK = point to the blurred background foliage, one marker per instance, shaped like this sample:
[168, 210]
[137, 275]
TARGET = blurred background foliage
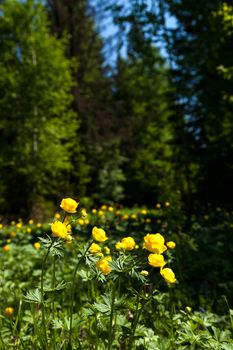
[151, 121]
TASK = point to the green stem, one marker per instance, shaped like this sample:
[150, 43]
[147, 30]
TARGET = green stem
[34, 325]
[53, 302]
[73, 290]
[137, 316]
[42, 293]
[111, 325]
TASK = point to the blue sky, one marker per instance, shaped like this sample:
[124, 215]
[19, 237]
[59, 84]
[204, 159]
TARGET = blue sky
[109, 31]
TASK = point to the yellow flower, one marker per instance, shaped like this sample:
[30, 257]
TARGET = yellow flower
[99, 234]
[111, 209]
[69, 205]
[156, 260]
[158, 205]
[188, 309]
[87, 221]
[148, 220]
[69, 239]
[167, 204]
[144, 273]
[37, 245]
[101, 213]
[31, 222]
[94, 211]
[154, 243]
[171, 244]
[1, 226]
[143, 211]
[168, 275]
[9, 311]
[12, 234]
[103, 265]
[129, 243]
[84, 212]
[59, 229]
[6, 248]
[133, 216]
[119, 246]
[29, 230]
[106, 250]
[38, 225]
[57, 216]
[19, 225]
[94, 248]
[12, 222]
[104, 207]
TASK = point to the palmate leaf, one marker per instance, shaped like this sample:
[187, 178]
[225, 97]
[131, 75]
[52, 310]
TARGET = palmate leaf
[56, 249]
[59, 286]
[33, 296]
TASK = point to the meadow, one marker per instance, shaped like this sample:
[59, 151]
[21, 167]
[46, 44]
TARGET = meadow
[117, 278]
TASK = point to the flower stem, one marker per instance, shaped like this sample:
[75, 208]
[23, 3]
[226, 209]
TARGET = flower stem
[42, 293]
[111, 325]
[137, 316]
[53, 302]
[72, 292]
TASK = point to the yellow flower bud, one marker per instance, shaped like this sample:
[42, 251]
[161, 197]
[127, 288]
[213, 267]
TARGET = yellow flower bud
[84, 212]
[156, 260]
[119, 246]
[69, 239]
[171, 245]
[144, 273]
[106, 250]
[94, 248]
[6, 248]
[9, 311]
[99, 234]
[69, 205]
[37, 245]
[168, 275]
[143, 211]
[188, 309]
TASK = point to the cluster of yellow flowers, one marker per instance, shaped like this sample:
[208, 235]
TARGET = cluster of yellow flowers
[63, 229]
[155, 243]
[99, 235]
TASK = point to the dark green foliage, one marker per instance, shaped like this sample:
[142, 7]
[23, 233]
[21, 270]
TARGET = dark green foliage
[144, 109]
[201, 51]
[37, 126]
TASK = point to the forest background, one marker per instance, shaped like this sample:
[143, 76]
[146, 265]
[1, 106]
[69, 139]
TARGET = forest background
[108, 102]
